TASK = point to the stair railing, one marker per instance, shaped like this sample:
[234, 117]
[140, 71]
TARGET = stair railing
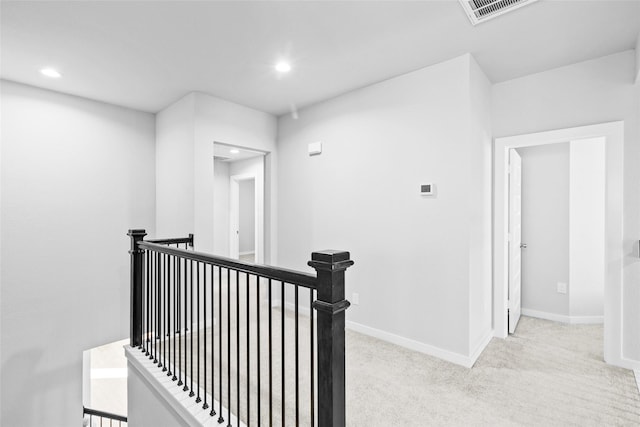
[254, 324]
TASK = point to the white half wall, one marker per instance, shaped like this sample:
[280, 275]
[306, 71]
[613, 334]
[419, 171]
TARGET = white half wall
[545, 227]
[76, 175]
[587, 227]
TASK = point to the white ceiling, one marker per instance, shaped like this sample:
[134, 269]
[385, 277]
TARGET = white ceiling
[147, 54]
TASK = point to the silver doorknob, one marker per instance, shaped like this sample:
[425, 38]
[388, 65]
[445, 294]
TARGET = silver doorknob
[523, 246]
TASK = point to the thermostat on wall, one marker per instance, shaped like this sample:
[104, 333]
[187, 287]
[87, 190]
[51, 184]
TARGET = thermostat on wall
[427, 189]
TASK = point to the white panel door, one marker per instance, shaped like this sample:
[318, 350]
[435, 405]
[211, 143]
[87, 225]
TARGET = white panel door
[515, 239]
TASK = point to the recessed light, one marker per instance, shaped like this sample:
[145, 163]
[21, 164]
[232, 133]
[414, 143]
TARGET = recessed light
[234, 151]
[283, 67]
[50, 72]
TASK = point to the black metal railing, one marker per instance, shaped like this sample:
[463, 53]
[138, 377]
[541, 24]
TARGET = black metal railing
[103, 419]
[244, 340]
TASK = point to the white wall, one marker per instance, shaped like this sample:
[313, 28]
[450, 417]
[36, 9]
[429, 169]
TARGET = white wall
[76, 175]
[412, 253]
[221, 208]
[233, 124]
[174, 169]
[146, 407]
[186, 132]
[587, 228]
[638, 59]
[479, 208]
[545, 227]
[255, 167]
[247, 216]
[596, 91]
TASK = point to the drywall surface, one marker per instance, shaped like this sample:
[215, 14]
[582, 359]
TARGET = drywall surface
[247, 216]
[638, 59]
[76, 175]
[254, 167]
[222, 121]
[186, 132]
[361, 194]
[591, 92]
[221, 208]
[587, 227]
[146, 408]
[174, 169]
[545, 227]
[479, 209]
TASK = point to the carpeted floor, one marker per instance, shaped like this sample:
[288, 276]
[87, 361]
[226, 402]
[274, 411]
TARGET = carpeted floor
[546, 374]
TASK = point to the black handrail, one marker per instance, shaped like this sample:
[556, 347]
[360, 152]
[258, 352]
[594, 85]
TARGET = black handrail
[275, 273]
[173, 241]
[104, 414]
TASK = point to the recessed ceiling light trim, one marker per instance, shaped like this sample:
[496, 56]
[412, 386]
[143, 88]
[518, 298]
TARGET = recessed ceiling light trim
[482, 10]
[50, 72]
[283, 67]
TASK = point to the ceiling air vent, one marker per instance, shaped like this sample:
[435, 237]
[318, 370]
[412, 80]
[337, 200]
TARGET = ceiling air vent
[482, 10]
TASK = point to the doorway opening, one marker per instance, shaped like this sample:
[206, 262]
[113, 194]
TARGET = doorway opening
[239, 207]
[610, 256]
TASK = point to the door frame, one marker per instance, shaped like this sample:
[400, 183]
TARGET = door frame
[234, 215]
[613, 133]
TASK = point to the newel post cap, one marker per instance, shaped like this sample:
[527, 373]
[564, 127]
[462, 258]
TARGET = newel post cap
[137, 232]
[330, 260]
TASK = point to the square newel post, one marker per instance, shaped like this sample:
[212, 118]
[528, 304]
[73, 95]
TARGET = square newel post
[137, 266]
[331, 305]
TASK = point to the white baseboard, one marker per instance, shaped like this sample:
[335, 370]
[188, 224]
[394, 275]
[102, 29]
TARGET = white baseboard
[482, 344]
[449, 356]
[574, 320]
[440, 353]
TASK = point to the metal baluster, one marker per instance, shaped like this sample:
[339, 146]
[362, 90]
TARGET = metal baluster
[228, 347]
[179, 303]
[248, 355]
[147, 296]
[258, 341]
[237, 347]
[282, 293]
[167, 313]
[204, 335]
[213, 342]
[191, 393]
[176, 273]
[186, 328]
[311, 367]
[168, 338]
[198, 400]
[220, 417]
[157, 304]
[297, 360]
[270, 360]
[161, 312]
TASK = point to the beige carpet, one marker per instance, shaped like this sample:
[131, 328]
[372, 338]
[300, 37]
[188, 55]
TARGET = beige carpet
[547, 374]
